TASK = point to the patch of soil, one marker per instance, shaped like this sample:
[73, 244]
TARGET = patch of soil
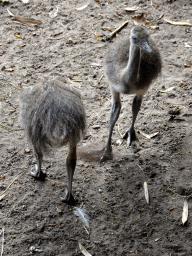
[73, 45]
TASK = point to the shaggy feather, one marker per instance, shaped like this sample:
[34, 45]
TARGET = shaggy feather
[81, 212]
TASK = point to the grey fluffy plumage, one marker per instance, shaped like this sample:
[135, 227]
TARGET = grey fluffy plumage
[53, 115]
[117, 58]
[131, 65]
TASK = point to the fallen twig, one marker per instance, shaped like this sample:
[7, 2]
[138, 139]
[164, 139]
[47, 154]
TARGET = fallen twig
[161, 14]
[25, 20]
[12, 182]
[118, 129]
[118, 29]
[178, 194]
[140, 168]
[180, 23]
[11, 128]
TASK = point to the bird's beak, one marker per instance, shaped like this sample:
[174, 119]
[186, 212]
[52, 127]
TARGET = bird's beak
[146, 46]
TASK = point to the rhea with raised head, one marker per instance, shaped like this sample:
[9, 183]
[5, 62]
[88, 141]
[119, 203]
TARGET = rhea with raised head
[130, 66]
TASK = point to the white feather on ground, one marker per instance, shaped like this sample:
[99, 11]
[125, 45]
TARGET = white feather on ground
[185, 212]
[146, 191]
[81, 212]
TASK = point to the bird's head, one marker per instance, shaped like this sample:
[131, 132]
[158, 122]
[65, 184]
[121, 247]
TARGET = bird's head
[139, 36]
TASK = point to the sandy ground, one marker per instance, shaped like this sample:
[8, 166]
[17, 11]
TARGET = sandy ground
[73, 45]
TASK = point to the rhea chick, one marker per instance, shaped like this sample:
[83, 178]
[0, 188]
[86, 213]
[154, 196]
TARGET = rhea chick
[130, 67]
[53, 115]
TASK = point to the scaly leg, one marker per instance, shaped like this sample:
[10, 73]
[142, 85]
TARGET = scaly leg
[115, 111]
[38, 174]
[71, 164]
[130, 135]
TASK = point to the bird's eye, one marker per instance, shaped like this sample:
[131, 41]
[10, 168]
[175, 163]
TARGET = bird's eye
[134, 37]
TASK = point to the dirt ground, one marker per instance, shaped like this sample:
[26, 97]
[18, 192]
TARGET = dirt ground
[73, 45]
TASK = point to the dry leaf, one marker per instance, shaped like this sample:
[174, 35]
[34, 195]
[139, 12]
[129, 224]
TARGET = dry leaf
[53, 13]
[185, 212]
[2, 177]
[148, 136]
[146, 192]
[179, 23]
[168, 89]
[25, 20]
[139, 19]
[84, 251]
[131, 9]
[82, 7]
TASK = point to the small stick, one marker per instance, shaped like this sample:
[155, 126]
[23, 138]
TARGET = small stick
[2, 241]
[86, 230]
[10, 128]
[101, 78]
[162, 14]
[177, 193]
[118, 29]
[12, 183]
[140, 167]
[118, 128]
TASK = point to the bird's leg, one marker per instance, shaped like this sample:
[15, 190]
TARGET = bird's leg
[115, 111]
[38, 174]
[130, 135]
[71, 164]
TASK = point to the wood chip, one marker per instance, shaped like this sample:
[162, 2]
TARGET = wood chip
[168, 89]
[146, 192]
[188, 45]
[82, 7]
[131, 9]
[84, 251]
[148, 136]
[185, 212]
[179, 23]
[53, 14]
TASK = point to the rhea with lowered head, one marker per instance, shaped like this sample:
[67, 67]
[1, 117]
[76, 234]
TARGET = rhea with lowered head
[52, 115]
[130, 67]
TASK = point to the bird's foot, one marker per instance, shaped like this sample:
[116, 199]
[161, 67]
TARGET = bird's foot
[130, 136]
[38, 174]
[68, 198]
[107, 155]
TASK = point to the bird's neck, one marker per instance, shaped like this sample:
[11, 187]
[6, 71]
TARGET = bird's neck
[130, 73]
